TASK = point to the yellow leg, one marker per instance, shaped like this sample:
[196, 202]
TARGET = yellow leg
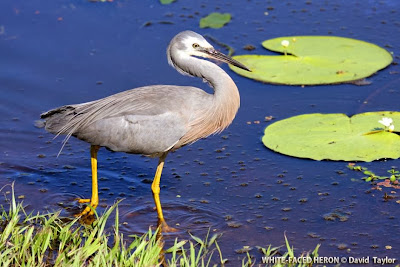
[155, 187]
[94, 201]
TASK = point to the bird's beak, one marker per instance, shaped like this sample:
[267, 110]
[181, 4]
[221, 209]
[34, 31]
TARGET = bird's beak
[212, 53]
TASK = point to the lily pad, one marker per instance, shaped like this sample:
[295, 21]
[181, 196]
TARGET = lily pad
[166, 2]
[215, 20]
[311, 60]
[335, 137]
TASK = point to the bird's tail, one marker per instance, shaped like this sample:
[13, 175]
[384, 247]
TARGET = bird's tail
[55, 121]
[40, 123]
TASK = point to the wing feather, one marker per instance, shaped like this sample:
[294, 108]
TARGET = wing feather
[149, 101]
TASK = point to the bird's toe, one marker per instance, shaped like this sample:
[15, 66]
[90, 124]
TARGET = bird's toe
[83, 200]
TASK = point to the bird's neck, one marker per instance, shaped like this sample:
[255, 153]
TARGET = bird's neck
[226, 94]
[226, 98]
[218, 114]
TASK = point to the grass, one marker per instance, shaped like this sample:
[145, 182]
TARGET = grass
[52, 240]
[287, 256]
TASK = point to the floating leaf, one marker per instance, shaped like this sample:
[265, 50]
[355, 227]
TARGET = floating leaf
[311, 60]
[215, 20]
[335, 137]
[166, 2]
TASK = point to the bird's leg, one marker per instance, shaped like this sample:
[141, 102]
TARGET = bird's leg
[155, 187]
[94, 201]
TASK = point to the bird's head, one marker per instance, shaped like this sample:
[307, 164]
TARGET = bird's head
[191, 44]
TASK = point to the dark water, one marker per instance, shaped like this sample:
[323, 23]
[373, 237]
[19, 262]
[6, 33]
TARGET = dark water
[61, 52]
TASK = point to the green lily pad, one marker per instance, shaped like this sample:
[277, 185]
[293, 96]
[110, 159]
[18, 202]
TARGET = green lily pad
[215, 20]
[312, 60]
[335, 137]
[166, 2]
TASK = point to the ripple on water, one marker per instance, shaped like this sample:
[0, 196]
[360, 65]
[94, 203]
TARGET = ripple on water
[182, 216]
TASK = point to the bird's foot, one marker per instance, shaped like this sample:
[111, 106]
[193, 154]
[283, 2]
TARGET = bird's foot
[86, 211]
[165, 228]
[87, 219]
[89, 209]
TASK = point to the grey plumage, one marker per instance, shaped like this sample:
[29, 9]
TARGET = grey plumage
[135, 121]
[155, 119]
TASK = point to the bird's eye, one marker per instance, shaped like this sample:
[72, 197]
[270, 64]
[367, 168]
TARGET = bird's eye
[195, 45]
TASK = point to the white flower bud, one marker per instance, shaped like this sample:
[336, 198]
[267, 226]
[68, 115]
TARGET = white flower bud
[386, 121]
[285, 43]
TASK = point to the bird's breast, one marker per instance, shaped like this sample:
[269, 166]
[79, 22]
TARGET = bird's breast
[208, 121]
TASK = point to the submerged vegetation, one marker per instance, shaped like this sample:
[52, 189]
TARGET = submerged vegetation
[51, 240]
[391, 179]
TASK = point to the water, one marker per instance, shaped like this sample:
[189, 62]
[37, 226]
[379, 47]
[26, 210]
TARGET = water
[64, 52]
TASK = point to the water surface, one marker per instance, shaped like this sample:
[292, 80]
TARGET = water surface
[62, 52]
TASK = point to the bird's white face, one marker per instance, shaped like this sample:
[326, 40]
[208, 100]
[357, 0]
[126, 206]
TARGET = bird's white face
[186, 45]
[196, 46]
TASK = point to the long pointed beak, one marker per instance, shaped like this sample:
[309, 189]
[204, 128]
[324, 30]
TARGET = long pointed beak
[212, 53]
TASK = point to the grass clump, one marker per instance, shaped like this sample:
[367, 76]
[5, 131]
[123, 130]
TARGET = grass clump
[51, 240]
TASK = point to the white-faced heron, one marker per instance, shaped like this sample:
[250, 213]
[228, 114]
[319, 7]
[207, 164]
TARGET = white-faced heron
[154, 120]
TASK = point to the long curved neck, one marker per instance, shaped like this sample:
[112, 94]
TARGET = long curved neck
[225, 90]
[225, 100]
[226, 94]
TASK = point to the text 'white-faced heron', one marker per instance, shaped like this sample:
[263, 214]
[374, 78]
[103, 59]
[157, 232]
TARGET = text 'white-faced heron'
[154, 120]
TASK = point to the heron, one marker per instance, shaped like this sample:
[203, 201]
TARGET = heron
[154, 120]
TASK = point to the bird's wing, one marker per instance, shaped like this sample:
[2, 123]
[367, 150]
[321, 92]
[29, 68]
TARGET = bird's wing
[138, 134]
[149, 103]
